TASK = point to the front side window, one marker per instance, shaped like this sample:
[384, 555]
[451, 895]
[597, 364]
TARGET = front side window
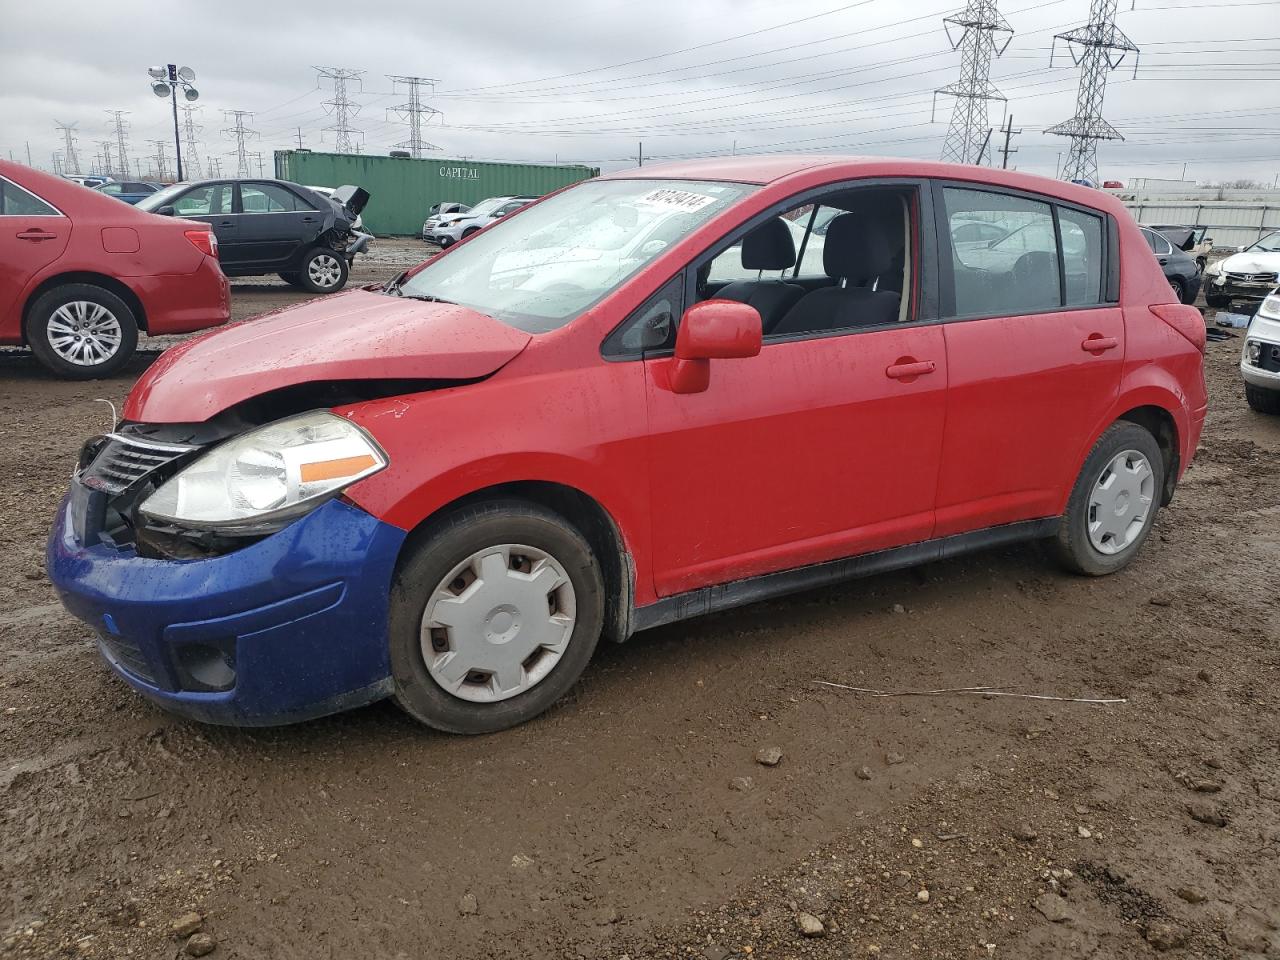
[17, 202]
[1016, 273]
[211, 200]
[112, 189]
[268, 198]
[541, 269]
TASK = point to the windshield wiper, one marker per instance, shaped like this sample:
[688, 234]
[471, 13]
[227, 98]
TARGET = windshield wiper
[429, 298]
[393, 285]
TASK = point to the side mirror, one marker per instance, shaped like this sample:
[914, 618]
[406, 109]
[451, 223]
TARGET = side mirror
[167, 210]
[713, 330]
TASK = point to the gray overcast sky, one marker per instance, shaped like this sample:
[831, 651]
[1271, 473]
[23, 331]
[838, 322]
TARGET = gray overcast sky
[585, 81]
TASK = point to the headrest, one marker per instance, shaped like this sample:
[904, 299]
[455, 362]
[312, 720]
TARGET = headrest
[769, 247]
[858, 248]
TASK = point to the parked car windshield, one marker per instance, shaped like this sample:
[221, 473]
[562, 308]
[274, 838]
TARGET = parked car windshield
[485, 206]
[1268, 244]
[541, 268]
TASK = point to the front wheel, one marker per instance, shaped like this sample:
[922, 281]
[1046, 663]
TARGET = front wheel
[469, 231]
[494, 615]
[81, 331]
[323, 271]
[1216, 301]
[1113, 503]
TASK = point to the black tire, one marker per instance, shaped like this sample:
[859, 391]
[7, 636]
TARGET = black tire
[438, 550]
[334, 260]
[42, 313]
[1262, 400]
[1217, 302]
[469, 231]
[292, 279]
[1179, 288]
[1072, 546]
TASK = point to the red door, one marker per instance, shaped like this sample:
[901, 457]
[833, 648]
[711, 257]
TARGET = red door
[1029, 379]
[32, 235]
[814, 450]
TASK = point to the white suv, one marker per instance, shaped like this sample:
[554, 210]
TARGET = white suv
[1260, 359]
[450, 228]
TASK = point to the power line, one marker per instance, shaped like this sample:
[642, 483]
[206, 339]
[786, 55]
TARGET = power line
[70, 162]
[121, 125]
[1097, 48]
[968, 132]
[341, 107]
[413, 111]
[240, 133]
[189, 144]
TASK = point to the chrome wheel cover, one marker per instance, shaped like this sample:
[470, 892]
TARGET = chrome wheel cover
[498, 623]
[324, 270]
[84, 333]
[1121, 502]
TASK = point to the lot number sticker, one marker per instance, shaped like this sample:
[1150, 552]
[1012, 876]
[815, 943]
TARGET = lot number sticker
[677, 199]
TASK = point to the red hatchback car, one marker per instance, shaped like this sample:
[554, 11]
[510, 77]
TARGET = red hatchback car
[650, 396]
[81, 274]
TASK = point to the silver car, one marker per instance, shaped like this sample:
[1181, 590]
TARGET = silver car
[451, 227]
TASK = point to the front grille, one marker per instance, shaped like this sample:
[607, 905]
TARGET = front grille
[1269, 358]
[123, 461]
[1252, 277]
[127, 656]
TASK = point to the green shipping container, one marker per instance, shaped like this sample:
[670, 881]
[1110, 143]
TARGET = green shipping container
[402, 190]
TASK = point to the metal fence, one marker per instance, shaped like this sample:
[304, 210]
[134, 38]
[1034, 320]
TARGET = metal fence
[1230, 223]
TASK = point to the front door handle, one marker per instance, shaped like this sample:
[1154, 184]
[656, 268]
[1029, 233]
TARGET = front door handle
[36, 235]
[908, 369]
[1097, 343]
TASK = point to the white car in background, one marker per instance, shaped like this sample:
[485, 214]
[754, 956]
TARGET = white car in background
[448, 229]
[1247, 276]
[1260, 358]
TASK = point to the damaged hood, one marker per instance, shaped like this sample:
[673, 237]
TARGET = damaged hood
[1252, 261]
[358, 335]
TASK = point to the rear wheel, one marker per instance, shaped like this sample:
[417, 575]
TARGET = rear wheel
[1113, 503]
[1261, 399]
[1179, 289]
[81, 331]
[494, 615]
[323, 271]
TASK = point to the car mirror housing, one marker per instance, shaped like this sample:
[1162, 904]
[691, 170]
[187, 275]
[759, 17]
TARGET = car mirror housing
[713, 330]
[167, 210]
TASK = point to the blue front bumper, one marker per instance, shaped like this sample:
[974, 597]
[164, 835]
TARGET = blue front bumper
[301, 616]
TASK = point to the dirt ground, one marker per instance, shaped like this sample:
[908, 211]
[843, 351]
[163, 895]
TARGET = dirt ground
[634, 820]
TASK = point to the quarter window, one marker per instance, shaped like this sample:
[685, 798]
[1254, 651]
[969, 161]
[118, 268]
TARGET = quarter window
[16, 202]
[1015, 273]
[1082, 257]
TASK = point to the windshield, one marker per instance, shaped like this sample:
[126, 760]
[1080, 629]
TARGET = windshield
[160, 198]
[1268, 244]
[486, 206]
[541, 268]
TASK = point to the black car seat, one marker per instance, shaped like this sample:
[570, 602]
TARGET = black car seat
[767, 247]
[858, 252]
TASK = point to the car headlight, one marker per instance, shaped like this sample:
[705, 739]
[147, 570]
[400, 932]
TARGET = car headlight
[1252, 352]
[1270, 307]
[257, 481]
[1213, 269]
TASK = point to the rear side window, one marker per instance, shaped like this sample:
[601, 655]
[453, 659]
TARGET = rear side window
[1159, 245]
[1012, 274]
[16, 202]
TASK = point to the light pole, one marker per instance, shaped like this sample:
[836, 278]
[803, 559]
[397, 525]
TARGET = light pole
[165, 82]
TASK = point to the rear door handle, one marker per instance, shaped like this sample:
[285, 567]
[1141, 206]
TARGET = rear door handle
[910, 369]
[1096, 344]
[36, 235]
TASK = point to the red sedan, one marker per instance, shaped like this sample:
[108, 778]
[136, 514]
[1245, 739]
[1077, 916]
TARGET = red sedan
[650, 396]
[81, 274]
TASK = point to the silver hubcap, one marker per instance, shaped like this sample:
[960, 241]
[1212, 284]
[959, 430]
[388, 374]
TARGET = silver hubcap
[324, 270]
[498, 623]
[1120, 502]
[84, 333]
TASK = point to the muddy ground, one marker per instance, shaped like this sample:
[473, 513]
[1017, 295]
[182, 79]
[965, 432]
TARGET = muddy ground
[634, 819]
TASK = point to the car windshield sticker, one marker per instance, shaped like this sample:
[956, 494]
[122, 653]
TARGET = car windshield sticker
[677, 199]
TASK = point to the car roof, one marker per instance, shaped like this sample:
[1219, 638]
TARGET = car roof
[780, 167]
